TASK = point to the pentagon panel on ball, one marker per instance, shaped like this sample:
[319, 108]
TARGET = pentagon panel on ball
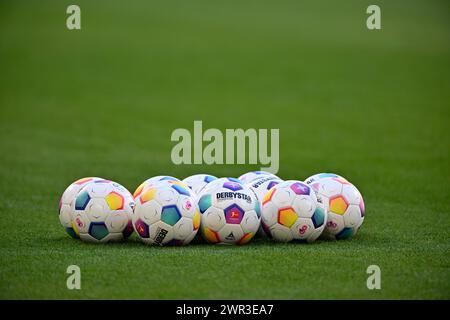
[102, 212]
[166, 213]
[66, 202]
[291, 212]
[344, 206]
[230, 212]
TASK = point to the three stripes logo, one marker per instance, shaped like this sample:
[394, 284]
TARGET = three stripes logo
[230, 237]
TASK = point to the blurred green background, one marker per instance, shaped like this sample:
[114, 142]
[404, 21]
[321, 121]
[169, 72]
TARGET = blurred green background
[372, 106]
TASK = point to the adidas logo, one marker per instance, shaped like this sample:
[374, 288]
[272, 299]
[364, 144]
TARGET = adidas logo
[230, 236]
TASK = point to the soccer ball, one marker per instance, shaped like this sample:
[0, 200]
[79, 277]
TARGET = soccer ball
[198, 181]
[344, 204]
[166, 213]
[319, 176]
[153, 181]
[102, 212]
[253, 175]
[291, 212]
[260, 188]
[230, 213]
[65, 203]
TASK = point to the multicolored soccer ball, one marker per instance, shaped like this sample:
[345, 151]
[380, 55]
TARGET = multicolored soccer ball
[230, 212]
[291, 212]
[260, 187]
[344, 204]
[66, 202]
[198, 181]
[102, 212]
[319, 176]
[253, 175]
[166, 213]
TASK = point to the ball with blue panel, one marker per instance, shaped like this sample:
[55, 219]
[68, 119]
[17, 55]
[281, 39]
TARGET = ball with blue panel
[102, 212]
[344, 207]
[230, 212]
[166, 213]
[66, 203]
[292, 212]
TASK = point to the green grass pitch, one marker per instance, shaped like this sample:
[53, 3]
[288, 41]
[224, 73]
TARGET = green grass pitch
[103, 101]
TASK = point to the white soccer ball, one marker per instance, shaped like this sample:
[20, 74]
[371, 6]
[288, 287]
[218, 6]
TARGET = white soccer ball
[344, 204]
[230, 213]
[260, 187]
[102, 212]
[253, 175]
[66, 201]
[166, 213]
[291, 212]
[198, 181]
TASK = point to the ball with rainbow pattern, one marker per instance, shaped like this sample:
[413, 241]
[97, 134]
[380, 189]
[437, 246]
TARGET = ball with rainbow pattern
[102, 212]
[230, 212]
[66, 203]
[344, 206]
[291, 212]
[166, 213]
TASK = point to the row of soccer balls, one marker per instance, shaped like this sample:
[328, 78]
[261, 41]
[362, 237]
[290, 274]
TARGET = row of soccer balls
[166, 211]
